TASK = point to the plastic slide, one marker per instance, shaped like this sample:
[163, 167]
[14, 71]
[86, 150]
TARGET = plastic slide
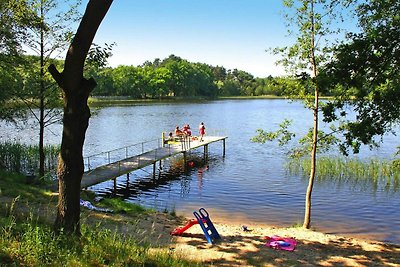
[181, 230]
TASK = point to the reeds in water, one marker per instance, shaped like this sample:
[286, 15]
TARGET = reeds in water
[372, 173]
[24, 158]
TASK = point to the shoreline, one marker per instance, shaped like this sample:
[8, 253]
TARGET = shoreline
[314, 248]
[240, 219]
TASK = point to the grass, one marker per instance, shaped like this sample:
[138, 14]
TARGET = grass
[28, 240]
[121, 206]
[369, 174]
[14, 184]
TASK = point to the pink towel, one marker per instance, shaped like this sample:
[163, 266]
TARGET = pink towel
[282, 243]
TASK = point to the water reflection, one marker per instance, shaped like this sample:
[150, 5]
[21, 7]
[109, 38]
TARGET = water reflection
[144, 181]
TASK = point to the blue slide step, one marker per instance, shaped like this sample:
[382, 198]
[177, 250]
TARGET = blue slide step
[206, 225]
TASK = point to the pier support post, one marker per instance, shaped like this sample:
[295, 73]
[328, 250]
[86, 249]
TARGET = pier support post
[223, 147]
[184, 161]
[205, 153]
[154, 169]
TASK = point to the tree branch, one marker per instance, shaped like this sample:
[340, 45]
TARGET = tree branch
[57, 76]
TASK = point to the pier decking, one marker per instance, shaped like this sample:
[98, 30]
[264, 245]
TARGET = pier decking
[129, 163]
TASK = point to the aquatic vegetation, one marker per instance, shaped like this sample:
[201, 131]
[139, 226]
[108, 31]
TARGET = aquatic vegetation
[367, 174]
[24, 158]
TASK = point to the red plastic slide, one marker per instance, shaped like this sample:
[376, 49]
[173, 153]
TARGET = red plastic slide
[181, 230]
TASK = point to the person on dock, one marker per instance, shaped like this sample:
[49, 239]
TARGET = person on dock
[186, 130]
[170, 137]
[178, 132]
[202, 131]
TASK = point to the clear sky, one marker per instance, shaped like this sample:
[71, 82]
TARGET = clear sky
[229, 33]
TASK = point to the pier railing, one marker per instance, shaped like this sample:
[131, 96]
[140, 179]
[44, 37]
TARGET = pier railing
[140, 150]
[121, 153]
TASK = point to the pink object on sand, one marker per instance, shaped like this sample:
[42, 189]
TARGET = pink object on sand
[282, 243]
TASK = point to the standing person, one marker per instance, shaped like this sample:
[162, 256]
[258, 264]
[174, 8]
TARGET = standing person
[202, 131]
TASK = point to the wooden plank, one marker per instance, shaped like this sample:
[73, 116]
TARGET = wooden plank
[118, 168]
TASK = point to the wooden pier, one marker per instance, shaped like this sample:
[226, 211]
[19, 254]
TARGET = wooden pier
[136, 160]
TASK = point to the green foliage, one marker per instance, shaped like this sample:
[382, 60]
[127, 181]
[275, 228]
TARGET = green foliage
[283, 135]
[176, 77]
[311, 23]
[15, 17]
[325, 143]
[365, 72]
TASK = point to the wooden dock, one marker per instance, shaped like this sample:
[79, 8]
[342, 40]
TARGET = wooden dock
[128, 164]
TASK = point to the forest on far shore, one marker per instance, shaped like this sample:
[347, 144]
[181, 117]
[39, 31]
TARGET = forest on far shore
[177, 77]
[170, 77]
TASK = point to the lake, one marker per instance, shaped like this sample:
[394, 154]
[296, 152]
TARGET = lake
[249, 184]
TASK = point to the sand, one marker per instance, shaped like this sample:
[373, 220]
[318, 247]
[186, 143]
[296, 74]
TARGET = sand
[247, 248]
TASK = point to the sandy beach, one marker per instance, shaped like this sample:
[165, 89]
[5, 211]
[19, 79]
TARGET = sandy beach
[247, 248]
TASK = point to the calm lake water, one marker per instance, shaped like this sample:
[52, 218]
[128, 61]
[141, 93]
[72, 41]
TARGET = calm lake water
[249, 184]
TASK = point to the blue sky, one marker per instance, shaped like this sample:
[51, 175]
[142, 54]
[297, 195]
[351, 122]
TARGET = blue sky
[229, 33]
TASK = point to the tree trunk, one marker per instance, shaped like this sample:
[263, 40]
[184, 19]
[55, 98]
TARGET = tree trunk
[41, 96]
[307, 212]
[41, 138]
[76, 90]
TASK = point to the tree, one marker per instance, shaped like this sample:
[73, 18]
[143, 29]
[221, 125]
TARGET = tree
[15, 18]
[309, 21]
[76, 90]
[366, 73]
[48, 38]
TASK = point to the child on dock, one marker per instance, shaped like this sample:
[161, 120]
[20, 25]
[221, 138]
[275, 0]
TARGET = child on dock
[202, 131]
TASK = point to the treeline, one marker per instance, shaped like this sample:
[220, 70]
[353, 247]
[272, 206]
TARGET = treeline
[177, 77]
[171, 77]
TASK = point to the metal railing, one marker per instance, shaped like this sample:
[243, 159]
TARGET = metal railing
[137, 150]
[119, 154]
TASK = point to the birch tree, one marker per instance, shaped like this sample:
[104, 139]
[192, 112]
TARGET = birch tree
[309, 24]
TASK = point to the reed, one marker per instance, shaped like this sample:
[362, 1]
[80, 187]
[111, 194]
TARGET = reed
[371, 173]
[24, 158]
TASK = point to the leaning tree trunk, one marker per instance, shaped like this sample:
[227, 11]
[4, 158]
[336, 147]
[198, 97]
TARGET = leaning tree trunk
[76, 90]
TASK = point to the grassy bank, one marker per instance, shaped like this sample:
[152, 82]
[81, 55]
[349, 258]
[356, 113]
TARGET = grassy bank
[26, 216]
